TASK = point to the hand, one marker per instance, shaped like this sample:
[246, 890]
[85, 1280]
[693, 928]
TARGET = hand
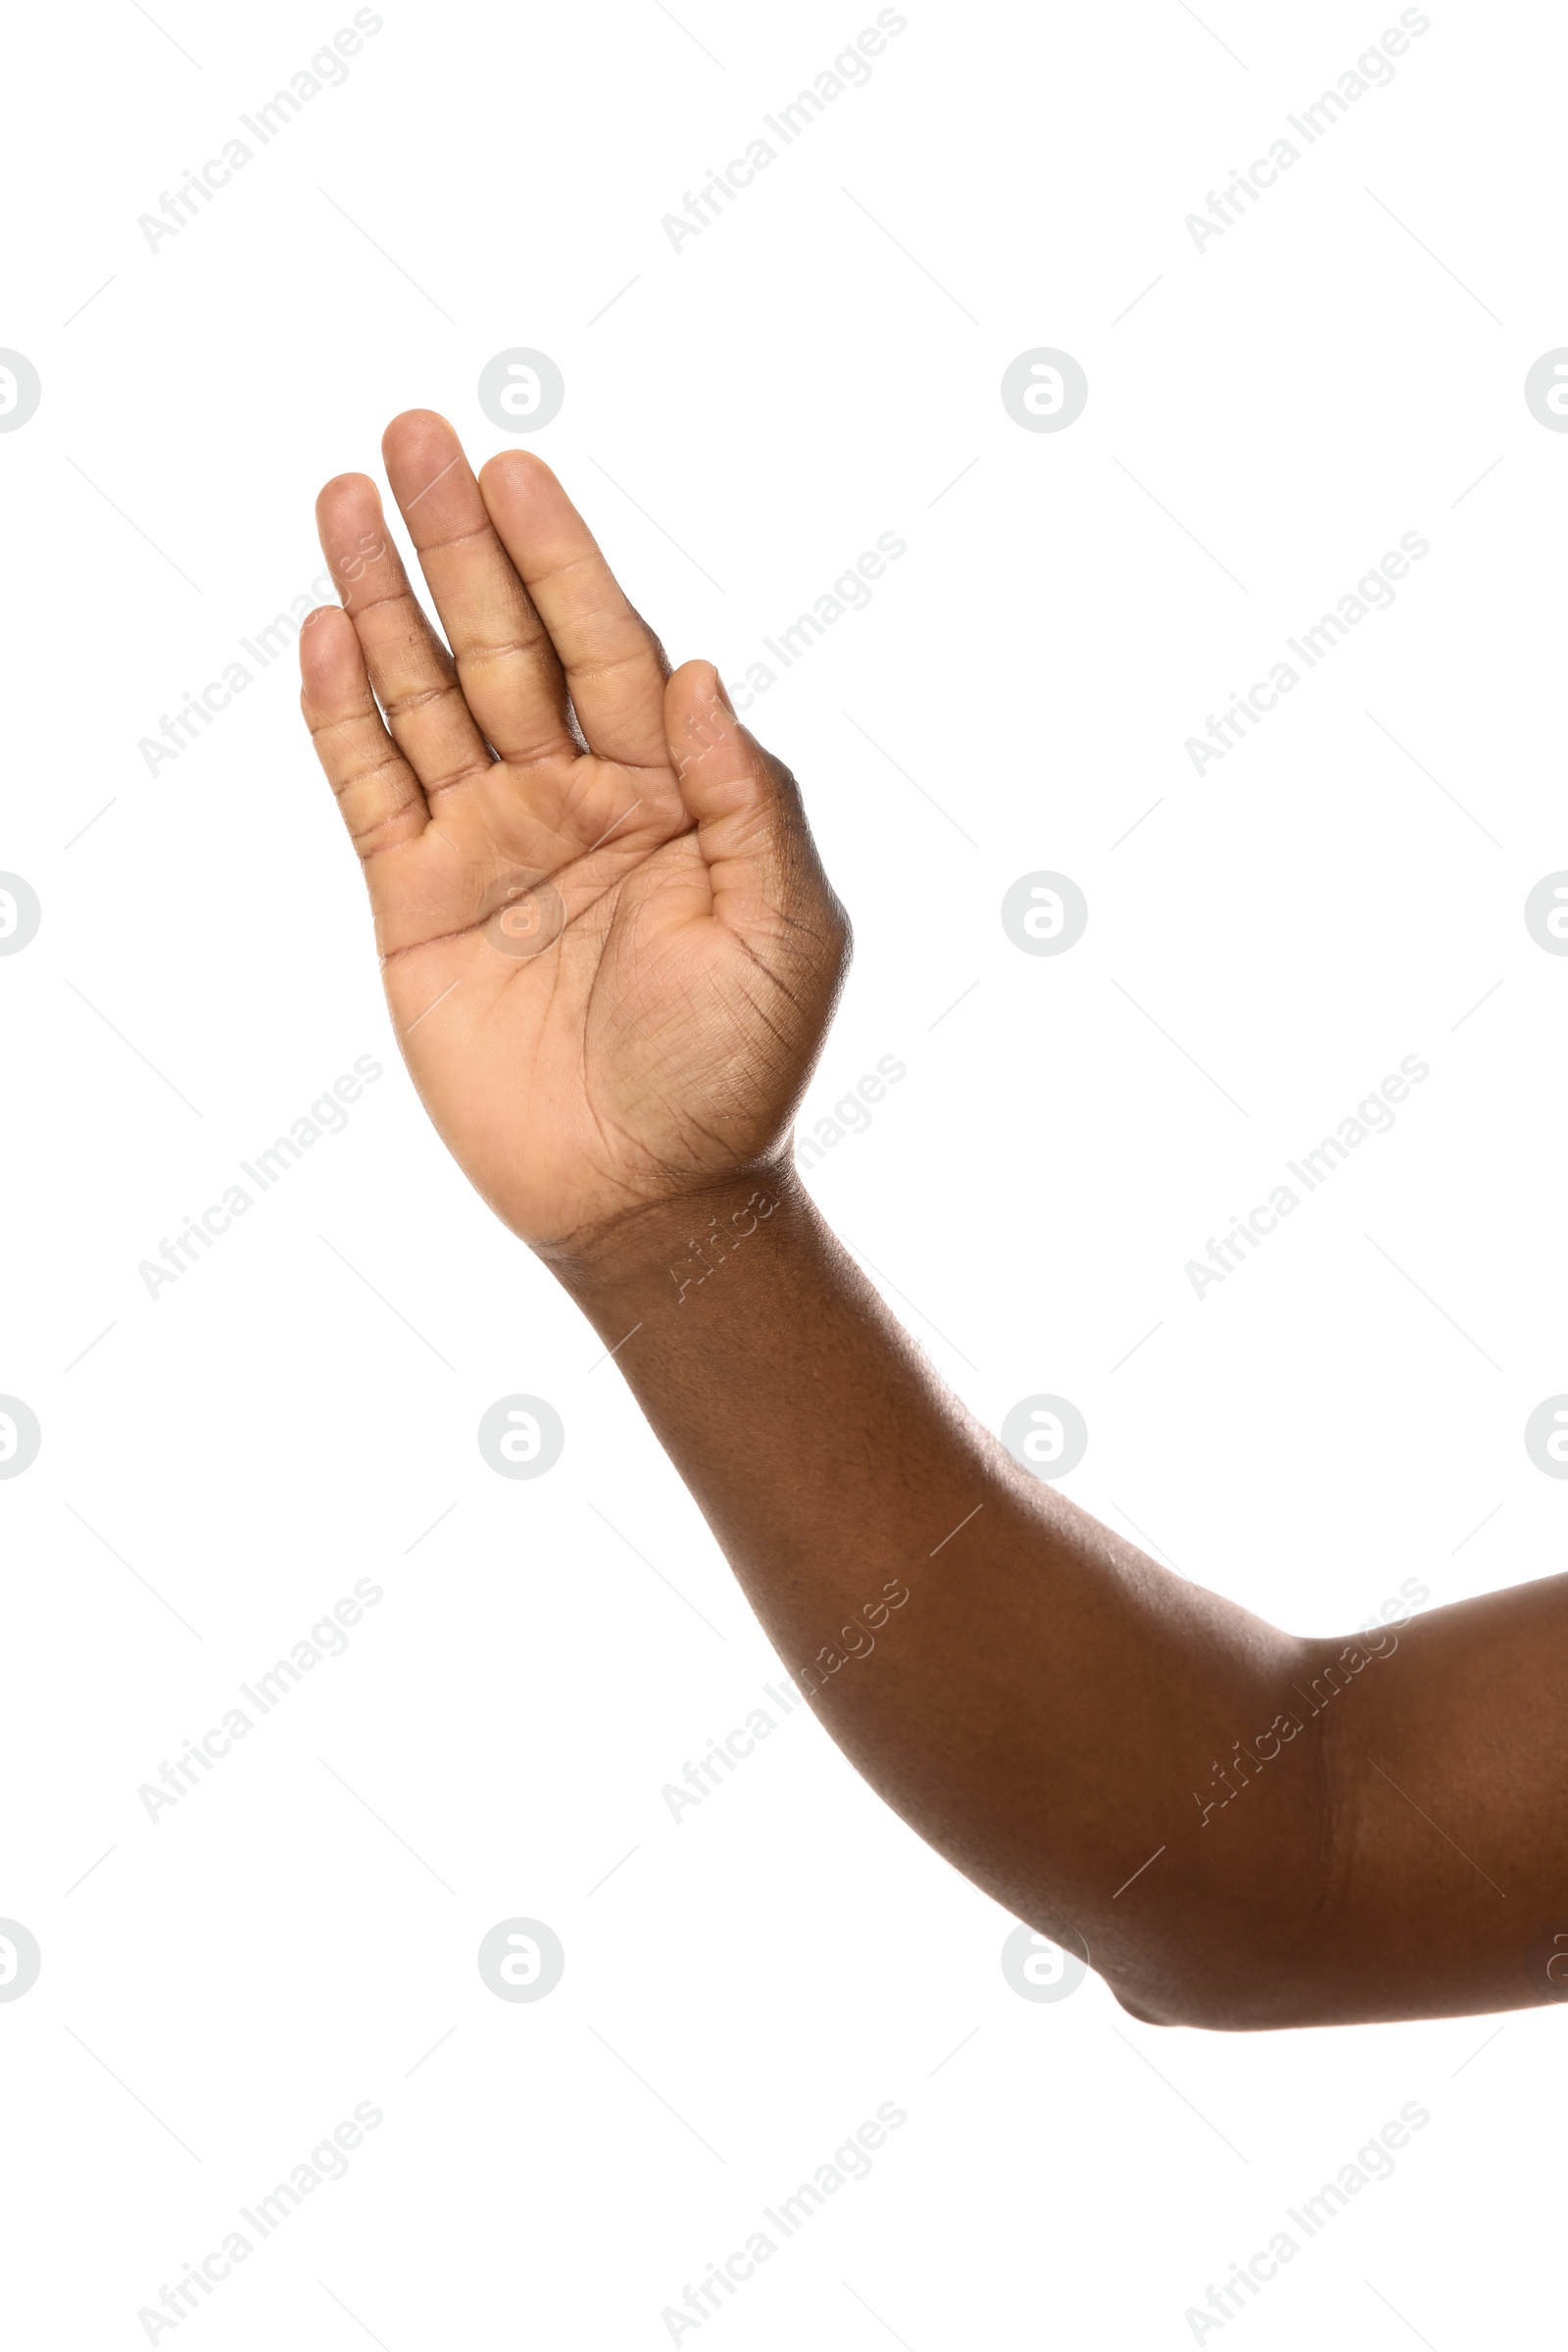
[608, 944]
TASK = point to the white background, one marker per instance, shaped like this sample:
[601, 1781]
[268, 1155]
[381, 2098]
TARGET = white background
[222, 1462]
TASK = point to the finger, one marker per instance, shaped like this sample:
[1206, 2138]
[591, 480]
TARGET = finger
[509, 670]
[616, 667]
[408, 666]
[762, 862]
[376, 790]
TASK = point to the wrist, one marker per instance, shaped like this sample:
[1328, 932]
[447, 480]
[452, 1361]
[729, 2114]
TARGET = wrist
[678, 1249]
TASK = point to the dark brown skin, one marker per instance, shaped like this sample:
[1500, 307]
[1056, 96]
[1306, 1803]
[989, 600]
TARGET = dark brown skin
[1239, 1828]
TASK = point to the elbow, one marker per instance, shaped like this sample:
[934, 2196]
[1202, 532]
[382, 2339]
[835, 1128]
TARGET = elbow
[1237, 1986]
[1265, 1965]
[1213, 2009]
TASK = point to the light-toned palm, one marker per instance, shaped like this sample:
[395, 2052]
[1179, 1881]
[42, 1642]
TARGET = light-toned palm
[608, 948]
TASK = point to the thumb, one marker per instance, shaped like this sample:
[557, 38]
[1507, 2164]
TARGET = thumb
[762, 865]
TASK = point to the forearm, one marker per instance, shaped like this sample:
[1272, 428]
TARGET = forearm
[1042, 1703]
[612, 953]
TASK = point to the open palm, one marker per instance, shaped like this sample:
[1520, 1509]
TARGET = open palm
[608, 947]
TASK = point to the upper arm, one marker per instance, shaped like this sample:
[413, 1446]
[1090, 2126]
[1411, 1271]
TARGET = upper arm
[1449, 1786]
